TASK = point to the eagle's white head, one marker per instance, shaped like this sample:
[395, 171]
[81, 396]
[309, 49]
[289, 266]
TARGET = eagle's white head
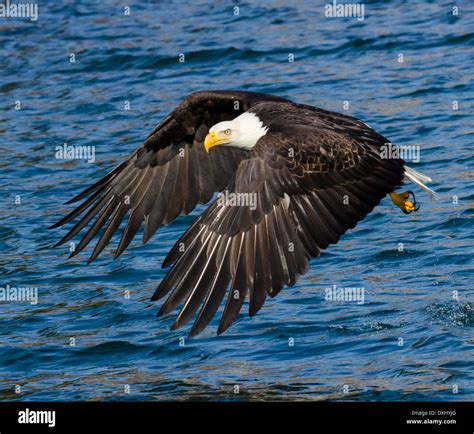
[241, 132]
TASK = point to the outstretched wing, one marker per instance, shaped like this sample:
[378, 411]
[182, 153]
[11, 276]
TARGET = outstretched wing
[309, 186]
[168, 175]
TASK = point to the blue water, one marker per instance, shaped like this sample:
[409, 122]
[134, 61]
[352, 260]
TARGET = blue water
[338, 346]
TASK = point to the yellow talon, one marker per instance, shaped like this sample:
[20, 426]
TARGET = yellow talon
[400, 199]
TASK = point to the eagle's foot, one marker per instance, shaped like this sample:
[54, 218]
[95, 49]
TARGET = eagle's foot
[401, 200]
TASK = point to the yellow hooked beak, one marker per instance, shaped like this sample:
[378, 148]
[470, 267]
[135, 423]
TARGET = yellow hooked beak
[214, 139]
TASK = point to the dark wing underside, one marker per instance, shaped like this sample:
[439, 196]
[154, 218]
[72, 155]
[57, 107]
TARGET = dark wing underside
[168, 175]
[312, 182]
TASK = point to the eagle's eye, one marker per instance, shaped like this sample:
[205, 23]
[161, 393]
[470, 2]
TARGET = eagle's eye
[227, 132]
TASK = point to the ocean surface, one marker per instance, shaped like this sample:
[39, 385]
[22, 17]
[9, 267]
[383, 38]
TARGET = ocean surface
[89, 73]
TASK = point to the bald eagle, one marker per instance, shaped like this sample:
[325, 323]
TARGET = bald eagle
[293, 178]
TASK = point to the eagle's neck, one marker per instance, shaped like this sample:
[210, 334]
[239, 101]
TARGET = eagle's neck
[249, 129]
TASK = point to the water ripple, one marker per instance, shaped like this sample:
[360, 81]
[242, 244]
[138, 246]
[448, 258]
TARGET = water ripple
[94, 330]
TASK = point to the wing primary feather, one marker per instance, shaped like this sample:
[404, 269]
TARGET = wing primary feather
[115, 221]
[137, 186]
[310, 234]
[274, 255]
[249, 255]
[155, 217]
[192, 188]
[215, 294]
[184, 280]
[237, 292]
[134, 221]
[75, 212]
[283, 246]
[179, 268]
[176, 197]
[112, 227]
[94, 229]
[100, 183]
[176, 251]
[200, 287]
[84, 220]
[258, 293]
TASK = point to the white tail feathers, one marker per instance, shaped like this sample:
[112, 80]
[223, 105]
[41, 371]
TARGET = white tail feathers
[420, 180]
